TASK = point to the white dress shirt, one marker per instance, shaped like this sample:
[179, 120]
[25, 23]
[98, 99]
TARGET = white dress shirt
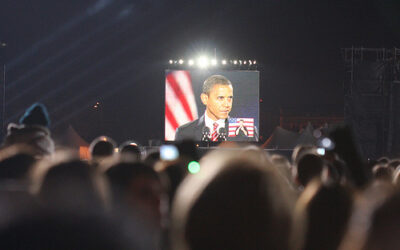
[210, 123]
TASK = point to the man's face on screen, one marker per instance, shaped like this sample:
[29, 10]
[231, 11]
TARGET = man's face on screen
[219, 101]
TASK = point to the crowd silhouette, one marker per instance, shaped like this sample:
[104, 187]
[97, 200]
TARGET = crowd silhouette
[239, 196]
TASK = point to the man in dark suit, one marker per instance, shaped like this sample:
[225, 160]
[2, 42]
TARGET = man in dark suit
[241, 131]
[194, 130]
[217, 96]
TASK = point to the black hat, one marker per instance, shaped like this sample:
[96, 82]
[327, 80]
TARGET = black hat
[36, 115]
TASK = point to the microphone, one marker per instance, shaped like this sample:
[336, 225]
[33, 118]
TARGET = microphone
[222, 134]
[205, 134]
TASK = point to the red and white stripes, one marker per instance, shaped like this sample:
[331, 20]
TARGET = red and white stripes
[180, 102]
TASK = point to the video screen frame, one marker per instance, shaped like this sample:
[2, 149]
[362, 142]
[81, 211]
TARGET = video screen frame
[185, 87]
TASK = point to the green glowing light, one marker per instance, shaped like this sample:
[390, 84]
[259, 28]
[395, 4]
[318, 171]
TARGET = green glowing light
[194, 167]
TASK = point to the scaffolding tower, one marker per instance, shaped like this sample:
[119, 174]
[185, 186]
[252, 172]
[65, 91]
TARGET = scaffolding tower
[371, 106]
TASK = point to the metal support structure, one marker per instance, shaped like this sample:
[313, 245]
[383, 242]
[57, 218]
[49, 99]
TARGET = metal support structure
[3, 46]
[3, 115]
[369, 97]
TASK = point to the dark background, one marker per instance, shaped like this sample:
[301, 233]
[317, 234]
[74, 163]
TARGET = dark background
[71, 54]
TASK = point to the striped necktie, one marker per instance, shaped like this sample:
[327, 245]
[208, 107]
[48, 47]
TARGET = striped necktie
[214, 135]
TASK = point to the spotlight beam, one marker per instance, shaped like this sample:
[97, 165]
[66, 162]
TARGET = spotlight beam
[139, 40]
[109, 92]
[59, 69]
[83, 16]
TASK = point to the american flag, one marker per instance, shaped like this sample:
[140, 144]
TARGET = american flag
[234, 124]
[180, 103]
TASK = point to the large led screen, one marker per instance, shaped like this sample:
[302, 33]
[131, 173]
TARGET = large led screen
[196, 101]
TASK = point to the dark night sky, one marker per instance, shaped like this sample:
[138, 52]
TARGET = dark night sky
[70, 54]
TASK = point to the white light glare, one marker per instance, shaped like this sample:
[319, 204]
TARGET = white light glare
[250, 62]
[254, 62]
[321, 151]
[181, 61]
[224, 62]
[190, 62]
[171, 62]
[202, 62]
[235, 62]
[327, 143]
[213, 62]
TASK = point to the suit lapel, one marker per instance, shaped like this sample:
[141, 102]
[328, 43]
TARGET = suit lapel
[199, 128]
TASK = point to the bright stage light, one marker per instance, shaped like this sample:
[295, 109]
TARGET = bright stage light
[202, 62]
[205, 62]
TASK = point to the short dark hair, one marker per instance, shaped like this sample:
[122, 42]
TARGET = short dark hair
[214, 80]
[102, 146]
[308, 167]
[122, 174]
